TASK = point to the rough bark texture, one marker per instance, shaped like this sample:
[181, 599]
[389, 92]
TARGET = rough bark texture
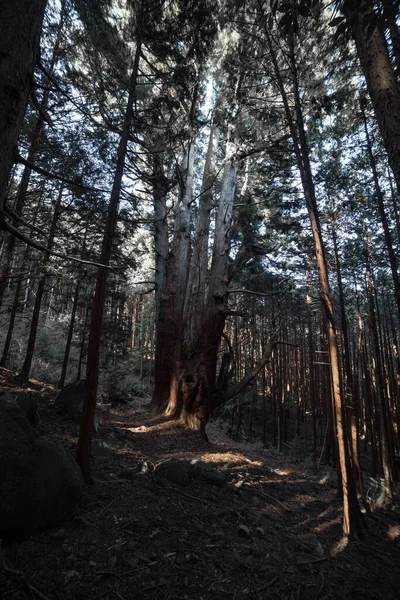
[20, 28]
[380, 78]
[5, 265]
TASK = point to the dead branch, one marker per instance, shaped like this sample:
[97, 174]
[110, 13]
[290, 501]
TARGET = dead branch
[19, 575]
[50, 175]
[27, 240]
[40, 110]
[267, 585]
[245, 382]
[243, 291]
[274, 499]
[13, 215]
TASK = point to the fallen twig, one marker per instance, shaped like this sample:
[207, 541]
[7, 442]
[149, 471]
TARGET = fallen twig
[267, 585]
[274, 499]
[108, 573]
[152, 587]
[311, 562]
[19, 575]
[139, 568]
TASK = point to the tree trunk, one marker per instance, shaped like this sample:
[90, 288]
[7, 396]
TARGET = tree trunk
[350, 395]
[70, 334]
[20, 29]
[351, 509]
[382, 405]
[93, 354]
[26, 368]
[5, 264]
[379, 75]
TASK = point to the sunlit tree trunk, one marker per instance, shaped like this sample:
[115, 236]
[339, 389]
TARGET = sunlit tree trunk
[350, 396]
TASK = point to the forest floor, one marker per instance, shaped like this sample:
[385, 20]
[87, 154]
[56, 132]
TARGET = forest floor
[273, 530]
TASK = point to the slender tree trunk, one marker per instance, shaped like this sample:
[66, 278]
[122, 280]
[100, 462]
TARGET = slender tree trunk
[351, 509]
[92, 371]
[350, 394]
[381, 208]
[82, 344]
[14, 310]
[382, 406]
[70, 334]
[26, 368]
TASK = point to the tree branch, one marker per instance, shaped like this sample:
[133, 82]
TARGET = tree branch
[13, 215]
[58, 177]
[243, 291]
[27, 240]
[245, 382]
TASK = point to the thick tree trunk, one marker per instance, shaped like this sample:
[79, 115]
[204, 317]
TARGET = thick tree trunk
[197, 285]
[5, 264]
[171, 282]
[20, 29]
[379, 75]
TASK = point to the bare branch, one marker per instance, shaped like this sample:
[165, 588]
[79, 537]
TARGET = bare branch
[243, 291]
[58, 177]
[245, 382]
[40, 110]
[27, 240]
[13, 215]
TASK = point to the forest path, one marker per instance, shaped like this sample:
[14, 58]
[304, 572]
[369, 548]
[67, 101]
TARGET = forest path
[272, 531]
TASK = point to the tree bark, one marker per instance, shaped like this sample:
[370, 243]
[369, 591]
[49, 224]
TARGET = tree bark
[26, 368]
[5, 264]
[20, 29]
[379, 75]
[92, 371]
[351, 509]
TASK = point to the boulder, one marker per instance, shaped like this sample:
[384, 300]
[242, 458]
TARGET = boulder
[181, 471]
[40, 482]
[206, 472]
[30, 405]
[100, 449]
[71, 400]
[173, 471]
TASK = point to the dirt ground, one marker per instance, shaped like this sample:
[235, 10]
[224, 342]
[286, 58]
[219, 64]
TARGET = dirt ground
[273, 531]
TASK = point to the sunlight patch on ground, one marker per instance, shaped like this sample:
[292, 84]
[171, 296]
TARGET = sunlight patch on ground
[283, 471]
[229, 457]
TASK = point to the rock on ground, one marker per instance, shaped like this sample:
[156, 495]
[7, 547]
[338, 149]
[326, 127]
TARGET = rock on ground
[40, 482]
[71, 400]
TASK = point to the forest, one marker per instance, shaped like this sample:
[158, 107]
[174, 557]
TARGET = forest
[199, 241]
